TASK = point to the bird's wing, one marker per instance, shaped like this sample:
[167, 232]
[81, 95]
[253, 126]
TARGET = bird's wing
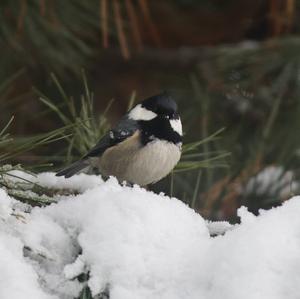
[125, 128]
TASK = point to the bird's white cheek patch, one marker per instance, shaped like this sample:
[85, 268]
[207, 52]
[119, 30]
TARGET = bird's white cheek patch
[176, 125]
[141, 113]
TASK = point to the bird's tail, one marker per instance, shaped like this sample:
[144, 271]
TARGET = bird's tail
[73, 168]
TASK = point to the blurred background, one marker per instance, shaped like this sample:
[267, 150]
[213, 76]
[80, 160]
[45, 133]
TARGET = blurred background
[70, 69]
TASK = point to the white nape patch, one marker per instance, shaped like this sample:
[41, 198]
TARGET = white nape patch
[176, 125]
[141, 113]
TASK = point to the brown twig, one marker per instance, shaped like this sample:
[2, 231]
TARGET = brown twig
[104, 22]
[22, 14]
[150, 24]
[120, 30]
[53, 18]
[275, 19]
[290, 9]
[42, 8]
[134, 25]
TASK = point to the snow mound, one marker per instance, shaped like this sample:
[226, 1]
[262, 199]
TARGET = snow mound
[133, 243]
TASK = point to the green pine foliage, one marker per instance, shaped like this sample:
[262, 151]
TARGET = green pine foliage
[253, 91]
[32, 31]
[86, 127]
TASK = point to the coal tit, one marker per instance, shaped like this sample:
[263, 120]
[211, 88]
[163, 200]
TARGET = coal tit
[143, 147]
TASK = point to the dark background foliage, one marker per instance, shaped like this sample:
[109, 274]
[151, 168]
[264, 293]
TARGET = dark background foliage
[229, 64]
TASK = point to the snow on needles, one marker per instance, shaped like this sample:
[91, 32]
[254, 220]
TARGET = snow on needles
[139, 245]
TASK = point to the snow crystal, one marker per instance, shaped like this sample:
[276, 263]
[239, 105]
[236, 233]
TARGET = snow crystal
[218, 227]
[137, 244]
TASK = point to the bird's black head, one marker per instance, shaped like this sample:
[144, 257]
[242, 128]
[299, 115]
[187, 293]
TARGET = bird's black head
[161, 104]
[157, 118]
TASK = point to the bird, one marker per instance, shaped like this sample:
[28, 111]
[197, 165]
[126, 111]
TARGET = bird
[142, 148]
